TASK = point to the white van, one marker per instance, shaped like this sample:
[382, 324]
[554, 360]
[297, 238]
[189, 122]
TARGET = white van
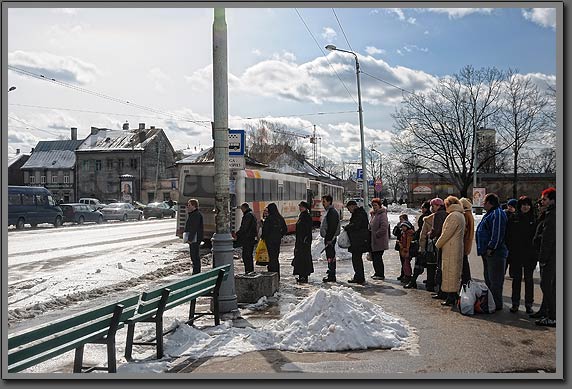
[92, 203]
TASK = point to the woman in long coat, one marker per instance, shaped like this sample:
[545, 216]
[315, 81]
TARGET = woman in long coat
[273, 229]
[302, 261]
[379, 228]
[451, 244]
[468, 240]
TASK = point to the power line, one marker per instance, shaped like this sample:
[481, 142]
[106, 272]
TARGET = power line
[388, 83]
[104, 96]
[28, 126]
[325, 56]
[301, 115]
[341, 28]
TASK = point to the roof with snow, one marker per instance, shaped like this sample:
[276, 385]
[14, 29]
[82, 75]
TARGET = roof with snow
[53, 154]
[207, 156]
[112, 140]
[12, 159]
[289, 164]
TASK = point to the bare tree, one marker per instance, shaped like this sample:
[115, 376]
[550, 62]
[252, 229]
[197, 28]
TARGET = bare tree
[435, 132]
[266, 140]
[539, 161]
[521, 117]
[395, 177]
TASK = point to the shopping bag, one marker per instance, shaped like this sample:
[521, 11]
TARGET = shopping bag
[185, 237]
[467, 299]
[484, 302]
[369, 257]
[261, 253]
[344, 240]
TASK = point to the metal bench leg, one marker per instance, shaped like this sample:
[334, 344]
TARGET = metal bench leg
[192, 311]
[78, 360]
[159, 337]
[216, 311]
[111, 359]
[129, 342]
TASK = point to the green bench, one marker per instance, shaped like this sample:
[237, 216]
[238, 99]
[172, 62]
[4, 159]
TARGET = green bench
[32, 346]
[153, 304]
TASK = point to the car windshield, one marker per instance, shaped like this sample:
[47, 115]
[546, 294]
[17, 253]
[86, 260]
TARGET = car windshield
[154, 205]
[115, 205]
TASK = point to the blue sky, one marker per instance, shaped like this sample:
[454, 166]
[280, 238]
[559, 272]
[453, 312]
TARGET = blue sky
[161, 58]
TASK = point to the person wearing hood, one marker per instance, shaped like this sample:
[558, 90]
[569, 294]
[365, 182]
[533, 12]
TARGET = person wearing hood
[520, 230]
[273, 229]
[420, 261]
[451, 245]
[510, 212]
[468, 239]
[434, 271]
[397, 233]
[302, 262]
[378, 227]
[407, 232]
[358, 233]
[246, 237]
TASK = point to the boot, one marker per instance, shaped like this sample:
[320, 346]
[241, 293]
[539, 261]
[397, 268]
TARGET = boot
[329, 279]
[411, 285]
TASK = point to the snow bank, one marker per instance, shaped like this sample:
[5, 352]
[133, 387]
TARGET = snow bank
[333, 319]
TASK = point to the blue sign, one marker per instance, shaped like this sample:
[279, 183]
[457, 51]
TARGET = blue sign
[370, 182]
[236, 141]
[359, 174]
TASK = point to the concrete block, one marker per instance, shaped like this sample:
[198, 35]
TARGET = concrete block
[251, 287]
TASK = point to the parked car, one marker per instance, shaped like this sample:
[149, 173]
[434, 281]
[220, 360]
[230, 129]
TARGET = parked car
[121, 211]
[80, 213]
[91, 202]
[138, 205]
[159, 210]
[33, 205]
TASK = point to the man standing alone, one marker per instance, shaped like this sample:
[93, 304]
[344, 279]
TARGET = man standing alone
[329, 229]
[358, 232]
[491, 246]
[246, 236]
[194, 227]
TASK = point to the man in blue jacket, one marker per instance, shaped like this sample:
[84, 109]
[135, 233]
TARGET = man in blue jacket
[491, 246]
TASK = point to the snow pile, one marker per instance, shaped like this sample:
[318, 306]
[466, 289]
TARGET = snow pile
[402, 209]
[329, 320]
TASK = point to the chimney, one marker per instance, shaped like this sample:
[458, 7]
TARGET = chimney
[94, 130]
[17, 151]
[141, 126]
[152, 127]
[31, 151]
[126, 126]
[73, 133]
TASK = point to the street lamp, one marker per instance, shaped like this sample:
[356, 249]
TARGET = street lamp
[11, 88]
[363, 165]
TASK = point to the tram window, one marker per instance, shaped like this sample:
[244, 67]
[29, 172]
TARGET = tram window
[198, 186]
[259, 192]
[286, 190]
[274, 190]
[266, 190]
[249, 190]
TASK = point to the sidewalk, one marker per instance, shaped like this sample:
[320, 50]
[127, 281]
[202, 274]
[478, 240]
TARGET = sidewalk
[448, 342]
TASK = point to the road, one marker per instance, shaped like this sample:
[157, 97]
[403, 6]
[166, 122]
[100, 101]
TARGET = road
[50, 263]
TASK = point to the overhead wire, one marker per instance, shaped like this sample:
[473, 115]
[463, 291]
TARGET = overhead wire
[388, 83]
[325, 56]
[28, 126]
[107, 97]
[341, 28]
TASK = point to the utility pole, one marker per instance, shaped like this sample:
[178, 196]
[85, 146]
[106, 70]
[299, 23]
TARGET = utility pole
[222, 240]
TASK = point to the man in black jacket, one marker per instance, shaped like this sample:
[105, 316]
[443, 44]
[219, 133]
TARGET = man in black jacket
[194, 227]
[546, 236]
[358, 232]
[246, 236]
[329, 230]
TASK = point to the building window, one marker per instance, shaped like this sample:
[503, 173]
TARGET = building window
[32, 179]
[66, 179]
[42, 179]
[120, 163]
[162, 166]
[110, 164]
[133, 163]
[54, 179]
[97, 165]
[85, 165]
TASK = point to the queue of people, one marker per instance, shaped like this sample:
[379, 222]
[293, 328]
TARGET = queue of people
[515, 239]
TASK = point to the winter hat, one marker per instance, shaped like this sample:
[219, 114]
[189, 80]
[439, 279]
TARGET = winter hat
[512, 203]
[304, 204]
[437, 201]
[406, 224]
[351, 202]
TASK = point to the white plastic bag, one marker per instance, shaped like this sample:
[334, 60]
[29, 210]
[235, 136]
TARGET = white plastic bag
[344, 240]
[484, 301]
[185, 237]
[467, 298]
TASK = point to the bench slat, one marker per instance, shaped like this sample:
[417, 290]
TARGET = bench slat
[36, 333]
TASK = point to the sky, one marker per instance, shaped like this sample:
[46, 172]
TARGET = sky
[108, 63]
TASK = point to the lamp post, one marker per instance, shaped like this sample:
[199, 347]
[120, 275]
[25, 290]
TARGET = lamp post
[363, 165]
[11, 88]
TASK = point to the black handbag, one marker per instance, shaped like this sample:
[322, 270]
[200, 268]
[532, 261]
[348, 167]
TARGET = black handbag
[396, 245]
[414, 249]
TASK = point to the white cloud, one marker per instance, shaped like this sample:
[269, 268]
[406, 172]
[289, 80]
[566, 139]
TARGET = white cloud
[426, 32]
[61, 35]
[545, 17]
[411, 20]
[66, 11]
[329, 34]
[457, 13]
[399, 52]
[374, 11]
[410, 48]
[256, 52]
[61, 68]
[159, 78]
[372, 50]
[284, 56]
[397, 11]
